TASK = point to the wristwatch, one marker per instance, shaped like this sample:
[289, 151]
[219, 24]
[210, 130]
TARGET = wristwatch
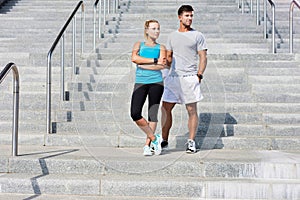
[155, 60]
[200, 76]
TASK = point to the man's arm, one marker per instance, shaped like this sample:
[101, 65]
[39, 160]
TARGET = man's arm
[202, 63]
[169, 58]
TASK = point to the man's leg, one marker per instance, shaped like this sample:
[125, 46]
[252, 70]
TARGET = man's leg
[193, 119]
[166, 119]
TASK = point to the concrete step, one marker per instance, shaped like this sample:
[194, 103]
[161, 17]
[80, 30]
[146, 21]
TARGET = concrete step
[130, 185]
[83, 197]
[98, 161]
[43, 166]
[81, 135]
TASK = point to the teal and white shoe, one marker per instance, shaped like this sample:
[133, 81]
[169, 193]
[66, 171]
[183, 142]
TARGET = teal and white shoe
[147, 151]
[157, 144]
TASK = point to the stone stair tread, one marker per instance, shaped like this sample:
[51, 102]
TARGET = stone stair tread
[134, 186]
[258, 167]
[82, 197]
[113, 155]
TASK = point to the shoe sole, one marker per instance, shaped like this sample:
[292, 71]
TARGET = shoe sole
[165, 149]
[190, 151]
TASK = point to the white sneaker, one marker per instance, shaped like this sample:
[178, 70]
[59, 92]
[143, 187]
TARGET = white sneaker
[147, 151]
[191, 146]
[157, 144]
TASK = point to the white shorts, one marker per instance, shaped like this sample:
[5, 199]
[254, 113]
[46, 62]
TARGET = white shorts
[182, 89]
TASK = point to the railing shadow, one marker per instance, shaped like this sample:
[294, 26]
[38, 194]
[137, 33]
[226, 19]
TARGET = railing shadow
[44, 168]
[212, 127]
[6, 9]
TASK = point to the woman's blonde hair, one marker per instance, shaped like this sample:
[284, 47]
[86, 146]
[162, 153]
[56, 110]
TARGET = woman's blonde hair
[146, 26]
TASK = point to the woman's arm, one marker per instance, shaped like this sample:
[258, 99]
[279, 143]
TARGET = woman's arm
[148, 63]
[137, 59]
[152, 67]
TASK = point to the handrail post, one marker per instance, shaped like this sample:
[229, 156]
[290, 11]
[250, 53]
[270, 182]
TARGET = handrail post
[257, 12]
[273, 23]
[82, 28]
[117, 5]
[293, 3]
[94, 26]
[291, 26]
[104, 13]
[16, 88]
[48, 98]
[273, 29]
[265, 19]
[15, 133]
[108, 6]
[74, 46]
[62, 54]
[97, 9]
[114, 6]
[243, 6]
[100, 19]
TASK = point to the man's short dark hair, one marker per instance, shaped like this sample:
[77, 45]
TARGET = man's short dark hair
[185, 8]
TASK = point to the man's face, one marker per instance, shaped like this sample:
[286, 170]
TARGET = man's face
[186, 18]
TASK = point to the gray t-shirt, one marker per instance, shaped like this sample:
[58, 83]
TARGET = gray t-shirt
[185, 47]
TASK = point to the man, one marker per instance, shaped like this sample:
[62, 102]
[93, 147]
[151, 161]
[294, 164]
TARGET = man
[186, 53]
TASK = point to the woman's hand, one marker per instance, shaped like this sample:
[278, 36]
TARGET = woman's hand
[162, 61]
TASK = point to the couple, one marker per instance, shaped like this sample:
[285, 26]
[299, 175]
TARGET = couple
[181, 85]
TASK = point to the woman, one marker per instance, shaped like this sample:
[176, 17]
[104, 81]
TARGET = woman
[150, 59]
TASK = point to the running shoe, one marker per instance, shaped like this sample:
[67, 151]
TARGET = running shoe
[164, 145]
[191, 146]
[147, 151]
[157, 144]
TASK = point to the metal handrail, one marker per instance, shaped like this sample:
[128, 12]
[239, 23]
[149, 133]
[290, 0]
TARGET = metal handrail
[257, 12]
[59, 37]
[99, 20]
[251, 9]
[106, 9]
[293, 3]
[243, 6]
[16, 87]
[273, 24]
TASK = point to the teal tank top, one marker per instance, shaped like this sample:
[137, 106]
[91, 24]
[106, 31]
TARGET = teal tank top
[147, 76]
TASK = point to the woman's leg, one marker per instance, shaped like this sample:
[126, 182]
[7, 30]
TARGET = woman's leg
[137, 102]
[154, 97]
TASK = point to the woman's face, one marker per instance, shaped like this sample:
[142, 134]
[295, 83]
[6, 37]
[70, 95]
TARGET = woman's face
[153, 30]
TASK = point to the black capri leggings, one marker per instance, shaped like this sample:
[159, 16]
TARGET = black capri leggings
[154, 92]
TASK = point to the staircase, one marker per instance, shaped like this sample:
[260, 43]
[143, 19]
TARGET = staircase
[248, 137]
